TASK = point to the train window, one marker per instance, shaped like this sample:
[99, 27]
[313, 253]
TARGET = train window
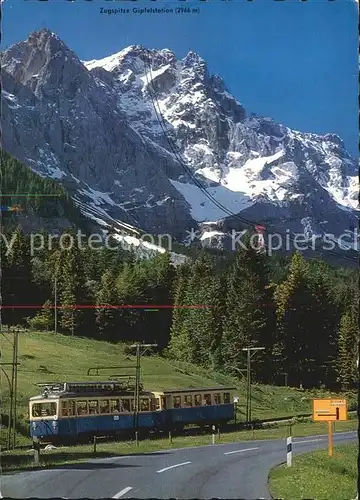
[71, 408]
[44, 410]
[207, 400]
[188, 400]
[226, 397]
[144, 404]
[198, 400]
[93, 407]
[157, 404]
[81, 407]
[114, 406]
[104, 406]
[217, 398]
[163, 402]
[124, 405]
[177, 401]
[64, 408]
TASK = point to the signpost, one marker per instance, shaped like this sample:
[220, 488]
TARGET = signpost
[329, 410]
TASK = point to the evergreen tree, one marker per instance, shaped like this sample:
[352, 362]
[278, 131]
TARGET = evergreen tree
[130, 291]
[180, 340]
[295, 314]
[246, 321]
[106, 319]
[44, 319]
[159, 279]
[20, 289]
[18, 179]
[72, 288]
[322, 330]
[197, 330]
[348, 350]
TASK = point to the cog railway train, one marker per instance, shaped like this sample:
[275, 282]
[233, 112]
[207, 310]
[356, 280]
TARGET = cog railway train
[75, 411]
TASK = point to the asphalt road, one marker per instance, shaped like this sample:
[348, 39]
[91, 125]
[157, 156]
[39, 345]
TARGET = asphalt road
[236, 470]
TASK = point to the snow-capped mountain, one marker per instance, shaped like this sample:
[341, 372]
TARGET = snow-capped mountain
[159, 143]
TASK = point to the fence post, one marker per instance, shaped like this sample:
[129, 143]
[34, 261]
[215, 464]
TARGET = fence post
[218, 432]
[95, 444]
[36, 446]
[289, 448]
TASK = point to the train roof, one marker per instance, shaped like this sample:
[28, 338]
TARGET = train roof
[88, 388]
[108, 388]
[88, 395]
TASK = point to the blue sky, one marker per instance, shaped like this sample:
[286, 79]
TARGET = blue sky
[293, 61]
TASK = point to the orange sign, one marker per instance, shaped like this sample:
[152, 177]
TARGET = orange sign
[327, 410]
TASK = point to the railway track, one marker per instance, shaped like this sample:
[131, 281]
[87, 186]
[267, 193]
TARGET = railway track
[232, 427]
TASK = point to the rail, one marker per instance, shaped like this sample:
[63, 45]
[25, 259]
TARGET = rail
[229, 427]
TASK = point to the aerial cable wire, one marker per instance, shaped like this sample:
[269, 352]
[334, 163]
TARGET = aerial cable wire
[161, 121]
[175, 153]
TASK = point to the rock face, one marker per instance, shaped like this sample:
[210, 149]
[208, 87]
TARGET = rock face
[158, 143]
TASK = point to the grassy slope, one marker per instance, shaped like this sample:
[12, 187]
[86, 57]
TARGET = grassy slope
[318, 476]
[46, 357]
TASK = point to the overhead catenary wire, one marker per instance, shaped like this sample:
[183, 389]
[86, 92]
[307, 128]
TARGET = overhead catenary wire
[155, 103]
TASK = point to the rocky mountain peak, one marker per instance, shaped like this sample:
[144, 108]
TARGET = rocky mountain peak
[130, 133]
[193, 59]
[44, 64]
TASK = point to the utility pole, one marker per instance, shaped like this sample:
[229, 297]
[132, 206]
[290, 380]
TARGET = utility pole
[12, 388]
[55, 304]
[10, 391]
[251, 351]
[16, 348]
[139, 353]
[286, 378]
[11, 422]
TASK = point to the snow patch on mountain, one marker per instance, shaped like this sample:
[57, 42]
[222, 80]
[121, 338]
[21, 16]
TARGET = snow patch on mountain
[97, 197]
[203, 209]
[210, 234]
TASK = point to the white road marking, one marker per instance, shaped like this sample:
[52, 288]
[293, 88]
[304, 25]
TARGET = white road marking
[308, 441]
[335, 434]
[122, 492]
[345, 432]
[240, 451]
[172, 467]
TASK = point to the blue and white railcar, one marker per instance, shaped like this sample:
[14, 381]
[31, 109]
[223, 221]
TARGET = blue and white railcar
[71, 411]
[202, 407]
[76, 410]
